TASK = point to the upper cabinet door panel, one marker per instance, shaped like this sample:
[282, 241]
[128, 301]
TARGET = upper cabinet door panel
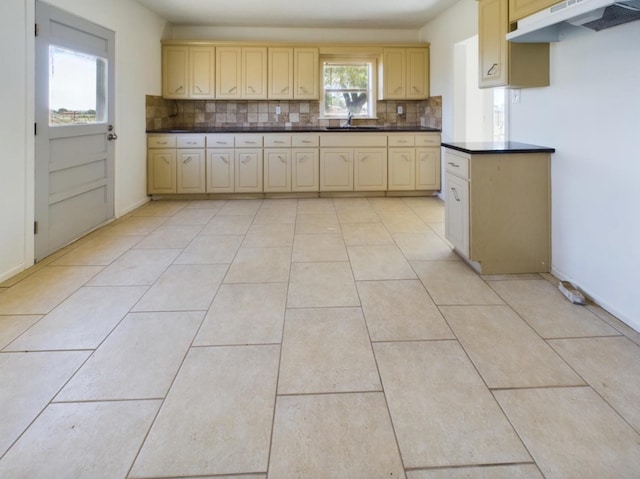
[394, 71]
[280, 73]
[228, 72]
[417, 73]
[492, 28]
[521, 8]
[306, 79]
[175, 70]
[254, 73]
[202, 65]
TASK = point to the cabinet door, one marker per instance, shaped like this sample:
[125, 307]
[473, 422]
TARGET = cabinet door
[280, 73]
[336, 169]
[161, 171]
[306, 74]
[175, 71]
[190, 171]
[248, 170]
[228, 72]
[220, 171]
[202, 62]
[254, 73]
[305, 169]
[492, 46]
[370, 169]
[521, 8]
[428, 169]
[417, 73]
[394, 73]
[456, 202]
[277, 170]
[402, 169]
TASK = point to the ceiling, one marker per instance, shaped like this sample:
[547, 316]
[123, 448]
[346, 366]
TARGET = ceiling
[406, 14]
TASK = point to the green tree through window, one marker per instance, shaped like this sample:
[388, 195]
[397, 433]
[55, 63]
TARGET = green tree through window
[347, 88]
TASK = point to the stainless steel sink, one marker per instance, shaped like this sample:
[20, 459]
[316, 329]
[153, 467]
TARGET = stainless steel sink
[356, 128]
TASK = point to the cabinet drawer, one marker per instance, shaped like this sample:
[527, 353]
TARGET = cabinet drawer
[277, 141]
[161, 141]
[217, 140]
[249, 141]
[191, 141]
[432, 139]
[305, 141]
[366, 140]
[401, 140]
[456, 164]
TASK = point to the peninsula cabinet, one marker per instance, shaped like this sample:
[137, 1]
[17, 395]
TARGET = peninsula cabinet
[504, 63]
[497, 206]
[188, 72]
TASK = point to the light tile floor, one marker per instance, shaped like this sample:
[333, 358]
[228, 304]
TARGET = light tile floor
[311, 338]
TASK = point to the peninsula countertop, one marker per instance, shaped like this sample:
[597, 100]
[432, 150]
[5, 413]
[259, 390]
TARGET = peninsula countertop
[492, 148]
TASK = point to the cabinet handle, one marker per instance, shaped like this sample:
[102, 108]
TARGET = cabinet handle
[162, 143]
[246, 142]
[166, 160]
[224, 159]
[402, 141]
[282, 159]
[303, 89]
[302, 158]
[250, 88]
[416, 89]
[192, 142]
[306, 141]
[284, 90]
[397, 90]
[493, 69]
[364, 158]
[187, 161]
[232, 90]
[221, 142]
[279, 142]
[406, 158]
[453, 164]
[344, 158]
[455, 193]
[246, 160]
[179, 89]
[198, 88]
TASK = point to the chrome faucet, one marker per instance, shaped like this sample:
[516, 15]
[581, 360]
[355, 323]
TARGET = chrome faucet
[349, 119]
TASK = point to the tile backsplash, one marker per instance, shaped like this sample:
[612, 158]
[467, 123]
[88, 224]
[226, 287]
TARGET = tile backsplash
[161, 113]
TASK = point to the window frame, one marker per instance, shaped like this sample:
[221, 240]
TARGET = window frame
[372, 62]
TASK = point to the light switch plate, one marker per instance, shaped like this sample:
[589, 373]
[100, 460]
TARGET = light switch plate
[278, 110]
[400, 110]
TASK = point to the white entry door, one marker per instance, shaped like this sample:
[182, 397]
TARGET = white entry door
[74, 151]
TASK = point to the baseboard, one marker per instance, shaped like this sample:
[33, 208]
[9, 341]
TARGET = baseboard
[12, 272]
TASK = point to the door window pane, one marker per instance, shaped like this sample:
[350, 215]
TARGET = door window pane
[77, 87]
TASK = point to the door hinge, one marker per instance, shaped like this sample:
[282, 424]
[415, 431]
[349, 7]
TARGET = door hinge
[35, 227]
[37, 29]
[35, 128]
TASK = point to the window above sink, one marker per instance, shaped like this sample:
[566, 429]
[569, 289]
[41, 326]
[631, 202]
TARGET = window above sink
[348, 86]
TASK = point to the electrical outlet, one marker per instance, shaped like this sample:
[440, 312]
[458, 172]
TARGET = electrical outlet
[400, 110]
[515, 95]
[278, 110]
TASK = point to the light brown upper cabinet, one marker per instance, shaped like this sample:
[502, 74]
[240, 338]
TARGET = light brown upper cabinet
[404, 74]
[521, 8]
[228, 73]
[280, 73]
[306, 74]
[254, 73]
[188, 72]
[503, 63]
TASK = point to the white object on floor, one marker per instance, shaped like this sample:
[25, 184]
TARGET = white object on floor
[571, 292]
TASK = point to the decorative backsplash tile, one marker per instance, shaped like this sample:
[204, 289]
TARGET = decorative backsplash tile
[161, 113]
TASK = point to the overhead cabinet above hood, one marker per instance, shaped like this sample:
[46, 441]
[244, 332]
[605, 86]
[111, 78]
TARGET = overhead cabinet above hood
[597, 15]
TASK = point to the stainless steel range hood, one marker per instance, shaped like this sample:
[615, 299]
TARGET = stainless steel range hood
[597, 15]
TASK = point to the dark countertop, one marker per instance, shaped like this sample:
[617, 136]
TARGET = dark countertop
[492, 148]
[299, 129]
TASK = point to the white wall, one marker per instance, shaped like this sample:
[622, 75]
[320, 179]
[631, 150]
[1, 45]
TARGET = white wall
[138, 67]
[315, 35]
[458, 23]
[591, 115]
